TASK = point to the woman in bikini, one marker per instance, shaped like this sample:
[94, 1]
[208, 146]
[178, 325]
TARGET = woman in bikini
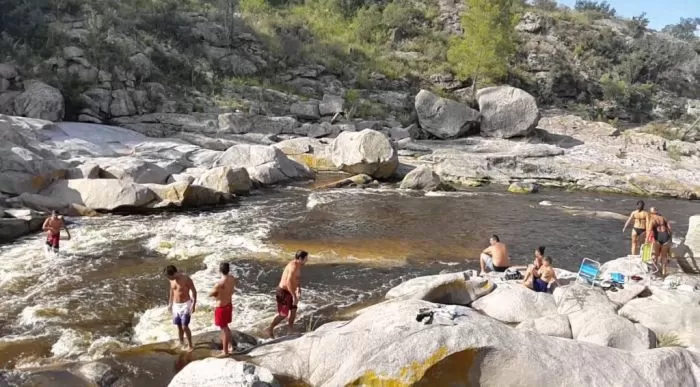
[532, 272]
[659, 230]
[641, 218]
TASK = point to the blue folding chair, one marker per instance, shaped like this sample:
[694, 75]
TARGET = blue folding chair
[589, 271]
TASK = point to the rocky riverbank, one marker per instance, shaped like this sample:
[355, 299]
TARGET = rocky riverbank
[485, 331]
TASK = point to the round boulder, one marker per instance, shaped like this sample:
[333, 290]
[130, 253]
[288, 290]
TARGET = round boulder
[40, 100]
[422, 178]
[507, 112]
[223, 372]
[526, 188]
[367, 151]
[444, 118]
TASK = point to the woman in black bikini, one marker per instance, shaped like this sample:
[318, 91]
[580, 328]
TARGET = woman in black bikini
[660, 228]
[641, 218]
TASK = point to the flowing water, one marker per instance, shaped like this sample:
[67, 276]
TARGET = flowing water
[106, 290]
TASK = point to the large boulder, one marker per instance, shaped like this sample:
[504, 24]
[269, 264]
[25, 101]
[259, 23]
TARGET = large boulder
[331, 104]
[452, 288]
[553, 325]
[669, 313]
[385, 345]
[40, 100]
[101, 194]
[226, 179]
[170, 195]
[46, 204]
[507, 112]
[308, 151]
[134, 170]
[265, 164]
[692, 237]
[422, 178]
[367, 151]
[305, 110]
[444, 118]
[17, 223]
[223, 372]
[514, 303]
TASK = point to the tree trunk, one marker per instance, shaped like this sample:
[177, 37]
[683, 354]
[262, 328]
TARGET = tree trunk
[474, 79]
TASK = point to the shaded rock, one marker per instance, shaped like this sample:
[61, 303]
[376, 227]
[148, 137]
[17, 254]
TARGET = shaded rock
[265, 164]
[411, 132]
[47, 204]
[511, 303]
[134, 170]
[99, 373]
[459, 346]
[360, 179]
[451, 289]
[240, 123]
[100, 194]
[223, 372]
[521, 187]
[305, 110]
[19, 223]
[122, 104]
[226, 179]
[507, 112]
[322, 130]
[366, 152]
[84, 171]
[331, 104]
[7, 102]
[556, 325]
[39, 100]
[444, 118]
[422, 178]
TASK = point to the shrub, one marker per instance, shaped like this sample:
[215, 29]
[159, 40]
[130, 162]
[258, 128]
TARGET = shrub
[547, 5]
[668, 340]
[602, 7]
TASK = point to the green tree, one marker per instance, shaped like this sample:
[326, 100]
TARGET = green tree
[685, 30]
[488, 40]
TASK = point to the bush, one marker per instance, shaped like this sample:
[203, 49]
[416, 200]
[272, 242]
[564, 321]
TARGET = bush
[636, 98]
[602, 7]
[547, 5]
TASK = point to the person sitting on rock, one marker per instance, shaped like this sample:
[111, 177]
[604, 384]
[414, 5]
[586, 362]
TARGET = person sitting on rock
[533, 269]
[547, 277]
[494, 257]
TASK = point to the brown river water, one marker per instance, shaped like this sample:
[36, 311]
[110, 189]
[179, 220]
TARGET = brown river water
[106, 292]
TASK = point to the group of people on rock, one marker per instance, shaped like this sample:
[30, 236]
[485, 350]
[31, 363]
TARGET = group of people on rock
[183, 300]
[651, 227]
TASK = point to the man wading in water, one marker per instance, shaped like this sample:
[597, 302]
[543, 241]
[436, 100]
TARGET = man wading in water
[180, 304]
[52, 226]
[289, 292]
[223, 314]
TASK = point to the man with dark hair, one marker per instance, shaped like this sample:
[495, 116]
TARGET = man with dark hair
[52, 226]
[223, 314]
[494, 257]
[289, 292]
[180, 304]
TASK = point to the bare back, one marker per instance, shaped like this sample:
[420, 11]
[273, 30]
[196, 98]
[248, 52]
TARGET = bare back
[180, 287]
[660, 224]
[499, 254]
[640, 218]
[224, 290]
[290, 277]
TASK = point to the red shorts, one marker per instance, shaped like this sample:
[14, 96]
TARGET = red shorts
[52, 240]
[285, 302]
[223, 315]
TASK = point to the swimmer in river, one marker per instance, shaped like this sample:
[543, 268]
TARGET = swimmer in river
[659, 229]
[288, 293]
[180, 304]
[223, 314]
[494, 257]
[641, 218]
[52, 226]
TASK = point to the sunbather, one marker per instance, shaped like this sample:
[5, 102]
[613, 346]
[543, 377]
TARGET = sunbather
[546, 277]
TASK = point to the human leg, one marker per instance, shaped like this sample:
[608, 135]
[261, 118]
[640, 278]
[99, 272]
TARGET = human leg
[290, 320]
[634, 242]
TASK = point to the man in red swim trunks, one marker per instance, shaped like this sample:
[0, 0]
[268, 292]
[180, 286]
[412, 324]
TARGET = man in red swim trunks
[223, 314]
[52, 226]
[289, 292]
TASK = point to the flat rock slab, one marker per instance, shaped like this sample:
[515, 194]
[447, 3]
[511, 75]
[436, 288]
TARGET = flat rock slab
[514, 303]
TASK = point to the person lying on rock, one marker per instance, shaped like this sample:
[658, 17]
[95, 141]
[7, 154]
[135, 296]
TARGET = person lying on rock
[494, 257]
[288, 293]
[223, 314]
[180, 304]
[533, 270]
[659, 229]
[547, 276]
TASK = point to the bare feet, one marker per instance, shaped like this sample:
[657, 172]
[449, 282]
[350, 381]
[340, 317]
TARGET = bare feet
[269, 333]
[222, 355]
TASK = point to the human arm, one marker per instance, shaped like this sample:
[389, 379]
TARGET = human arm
[215, 290]
[553, 279]
[170, 300]
[193, 289]
[629, 220]
[66, 228]
[45, 226]
[487, 250]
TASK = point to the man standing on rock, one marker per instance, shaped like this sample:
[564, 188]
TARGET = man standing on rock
[52, 226]
[494, 257]
[289, 292]
[223, 314]
[180, 304]
[659, 229]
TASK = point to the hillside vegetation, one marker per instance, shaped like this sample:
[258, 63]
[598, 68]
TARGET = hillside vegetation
[213, 55]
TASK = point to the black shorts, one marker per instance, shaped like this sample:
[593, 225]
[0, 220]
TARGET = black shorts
[639, 231]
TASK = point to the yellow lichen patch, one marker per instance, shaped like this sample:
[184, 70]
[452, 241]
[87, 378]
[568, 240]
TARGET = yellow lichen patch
[313, 162]
[438, 369]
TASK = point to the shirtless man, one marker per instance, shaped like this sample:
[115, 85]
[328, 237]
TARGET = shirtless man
[494, 257]
[547, 277]
[640, 218]
[659, 229]
[52, 226]
[223, 314]
[289, 292]
[180, 304]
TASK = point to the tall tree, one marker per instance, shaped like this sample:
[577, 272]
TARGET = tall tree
[685, 30]
[488, 40]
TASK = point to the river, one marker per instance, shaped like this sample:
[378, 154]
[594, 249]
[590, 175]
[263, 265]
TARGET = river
[106, 290]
